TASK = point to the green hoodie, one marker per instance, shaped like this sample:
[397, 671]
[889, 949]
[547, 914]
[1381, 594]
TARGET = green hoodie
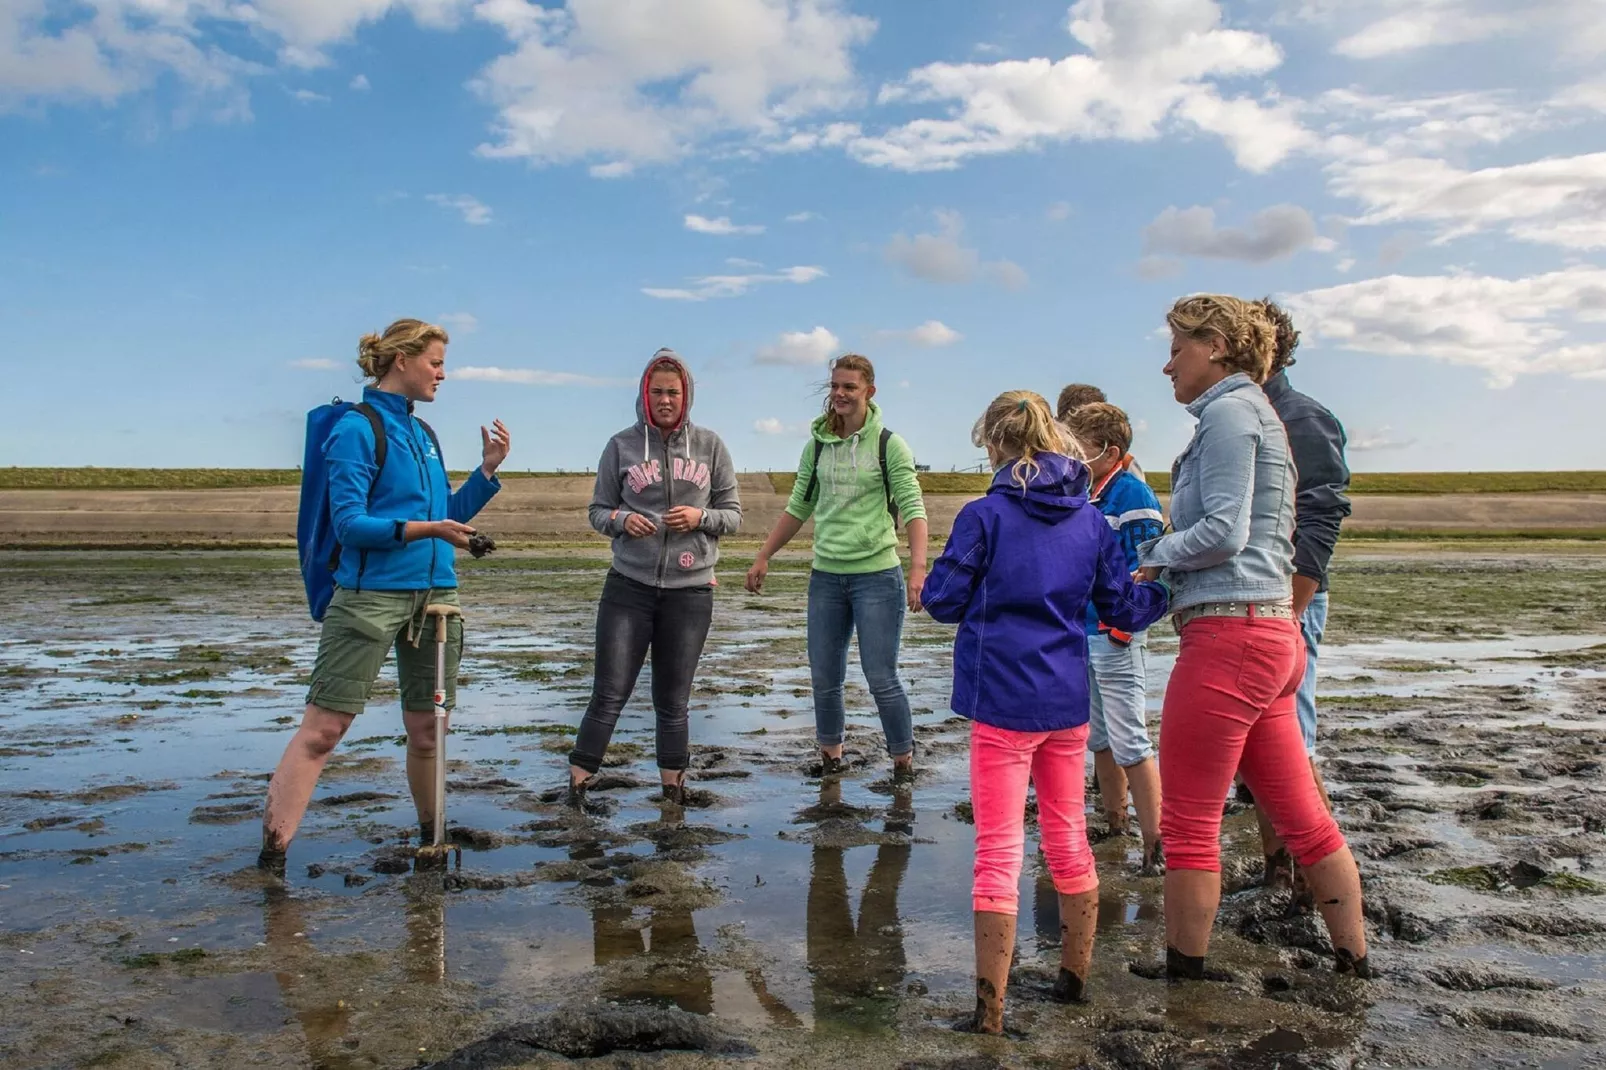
[853, 532]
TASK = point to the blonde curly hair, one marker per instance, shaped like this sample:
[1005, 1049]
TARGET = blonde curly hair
[377, 353]
[1250, 338]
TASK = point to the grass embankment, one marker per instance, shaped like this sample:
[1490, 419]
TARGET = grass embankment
[182, 478]
[1362, 483]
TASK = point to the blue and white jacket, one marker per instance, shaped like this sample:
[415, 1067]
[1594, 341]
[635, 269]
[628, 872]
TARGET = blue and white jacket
[370, 508]
[1134, 515]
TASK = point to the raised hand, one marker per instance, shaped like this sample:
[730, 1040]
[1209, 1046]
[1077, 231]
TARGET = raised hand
[496, 443]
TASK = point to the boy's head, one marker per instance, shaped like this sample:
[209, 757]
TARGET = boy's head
[1075, 396]
[1287, 338]
[1104, 433]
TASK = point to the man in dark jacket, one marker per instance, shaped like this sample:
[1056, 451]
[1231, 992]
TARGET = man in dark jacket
[1321, 502]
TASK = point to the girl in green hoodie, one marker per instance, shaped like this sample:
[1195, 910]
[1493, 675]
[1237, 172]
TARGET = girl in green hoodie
[857, 582]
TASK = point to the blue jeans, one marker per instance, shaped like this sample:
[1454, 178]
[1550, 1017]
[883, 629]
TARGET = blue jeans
[1118, 703]
[1312, 625]
[874, 603]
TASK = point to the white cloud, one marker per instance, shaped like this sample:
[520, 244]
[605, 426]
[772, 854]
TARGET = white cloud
[1433, 24]
[1271, 234]
[459, 322]
[941, 258]
[769, 425]
[531, 377]
[307, 96]
[721, 226]
[734, 285]
[802, 217]
[1388, 29]
[315, 364]
[1373, 441]
[1556, 201]
[106, 49]
[742, 262]
[474, 213]
[1345, 265]
[801, 348]
[648, 81]
[1154, 268]
[1147, 64]
[1506, 327]
[361, 84]
[932, 333]
[1059, 211]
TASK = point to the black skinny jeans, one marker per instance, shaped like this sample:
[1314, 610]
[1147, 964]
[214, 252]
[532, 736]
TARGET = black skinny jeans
[633, 616]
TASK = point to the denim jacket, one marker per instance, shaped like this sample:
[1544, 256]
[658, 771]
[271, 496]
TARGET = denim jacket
[1232, 503]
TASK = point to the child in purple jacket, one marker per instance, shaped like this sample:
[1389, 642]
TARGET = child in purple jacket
[1017, 575]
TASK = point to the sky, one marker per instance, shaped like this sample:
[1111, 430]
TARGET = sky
[205, 203]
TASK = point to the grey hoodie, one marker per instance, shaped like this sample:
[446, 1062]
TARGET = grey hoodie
[646, 471]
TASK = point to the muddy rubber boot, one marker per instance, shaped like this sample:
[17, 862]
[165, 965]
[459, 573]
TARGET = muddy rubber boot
[903, 772]
[1069, 988]
[1348, 963]
[829, 766]
[575, 797]
[271, 860]
[1153, 860]
[675, 793]
[1279, 870]
[1178, 967]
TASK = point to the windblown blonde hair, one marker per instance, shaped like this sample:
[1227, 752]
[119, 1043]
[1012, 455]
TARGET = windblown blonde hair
[848, 362]
[377, 353]
[1019, 424]
[1250, 338]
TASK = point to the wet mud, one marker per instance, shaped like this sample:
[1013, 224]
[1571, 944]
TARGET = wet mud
[780, 918]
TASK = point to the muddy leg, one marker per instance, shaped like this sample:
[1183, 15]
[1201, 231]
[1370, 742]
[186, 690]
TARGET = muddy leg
[1144, 779]
[995, 945]
[290, 789]
[1112, 788]
[1079, 915]
[1336, 884]
[421, 767]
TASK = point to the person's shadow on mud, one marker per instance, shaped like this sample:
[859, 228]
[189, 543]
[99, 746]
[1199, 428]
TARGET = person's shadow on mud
[858, 969]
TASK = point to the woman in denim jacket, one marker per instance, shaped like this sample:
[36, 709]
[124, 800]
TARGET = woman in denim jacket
[1229, 706]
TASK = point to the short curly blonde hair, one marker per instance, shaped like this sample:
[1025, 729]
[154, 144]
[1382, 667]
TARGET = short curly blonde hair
[1250, 338]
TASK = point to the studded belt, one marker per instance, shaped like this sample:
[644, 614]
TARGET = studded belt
[1251, 610]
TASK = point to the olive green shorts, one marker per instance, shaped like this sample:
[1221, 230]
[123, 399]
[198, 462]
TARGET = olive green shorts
[360, 630]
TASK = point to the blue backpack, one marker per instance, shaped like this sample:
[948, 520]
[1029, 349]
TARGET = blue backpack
[315, 529]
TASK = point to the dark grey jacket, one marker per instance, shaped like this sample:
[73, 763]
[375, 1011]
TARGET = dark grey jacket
[1321, 499]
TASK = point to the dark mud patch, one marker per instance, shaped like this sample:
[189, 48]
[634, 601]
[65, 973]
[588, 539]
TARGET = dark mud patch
[1515, 876]
[487, 784]
[591, 1033]
[1474, 977]
[354, 798]
[226, 813]
[673, 836]
[1511, 1021]
[151, 960]
[842, 834]
[108, 793]
[1562, 926]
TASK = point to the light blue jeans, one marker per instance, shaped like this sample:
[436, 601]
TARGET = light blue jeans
[873, 603]
[1116, 714]
[1312, 625]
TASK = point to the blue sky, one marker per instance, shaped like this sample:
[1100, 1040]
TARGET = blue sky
[203, 204]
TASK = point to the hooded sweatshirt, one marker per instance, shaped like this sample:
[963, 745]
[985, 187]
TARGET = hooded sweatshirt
[853, 531]
[1017, 576]
[648, 470]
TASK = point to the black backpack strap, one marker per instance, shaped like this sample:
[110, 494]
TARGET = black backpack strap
[381, 446]
[813, 487]
[886, 476]
[430, 431]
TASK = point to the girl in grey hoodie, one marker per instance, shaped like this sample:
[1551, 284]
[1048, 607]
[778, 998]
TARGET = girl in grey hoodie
[665, 493]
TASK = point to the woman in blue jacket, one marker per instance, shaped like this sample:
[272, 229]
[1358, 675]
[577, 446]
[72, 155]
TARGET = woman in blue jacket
[1020, 569]
[399, 528]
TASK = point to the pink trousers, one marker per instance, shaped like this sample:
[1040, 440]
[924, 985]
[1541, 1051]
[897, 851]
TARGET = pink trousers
[1001, 764]
[1230, 708]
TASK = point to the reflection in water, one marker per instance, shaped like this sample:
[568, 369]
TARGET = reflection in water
[319, 988]
[858, 970]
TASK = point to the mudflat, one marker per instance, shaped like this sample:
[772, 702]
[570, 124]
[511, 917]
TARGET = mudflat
[778, 921]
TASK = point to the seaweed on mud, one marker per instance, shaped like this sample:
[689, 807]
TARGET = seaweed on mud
[225, 814]
[152, 959]
[594, 1032]
[107, 793]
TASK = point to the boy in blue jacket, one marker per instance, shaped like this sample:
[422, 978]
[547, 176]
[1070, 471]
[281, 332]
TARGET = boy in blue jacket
[399, 527]
[1019, 571]
[1119, 738]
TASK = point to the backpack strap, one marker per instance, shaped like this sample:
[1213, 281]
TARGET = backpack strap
[886, 476]
[813, 488]
[381, 446]
[430, 431]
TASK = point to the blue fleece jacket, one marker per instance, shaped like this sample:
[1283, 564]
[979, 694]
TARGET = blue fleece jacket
[1017, 576]
[412, 486]
[1134, 515]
